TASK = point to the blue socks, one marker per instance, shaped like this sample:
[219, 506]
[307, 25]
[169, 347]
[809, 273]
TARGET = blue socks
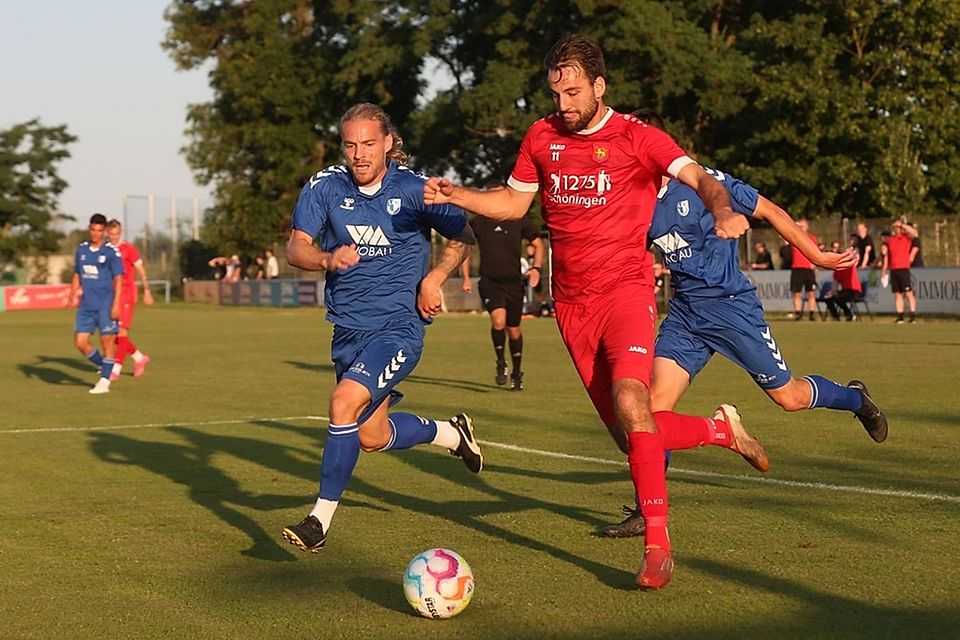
[830, 395]
[409, 430]
[95, 357]
[106, 367]
[339, 458]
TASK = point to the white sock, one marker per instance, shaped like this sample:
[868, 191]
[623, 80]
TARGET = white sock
[137, 356]
[323, 511]
[447, 436]
[117, 368]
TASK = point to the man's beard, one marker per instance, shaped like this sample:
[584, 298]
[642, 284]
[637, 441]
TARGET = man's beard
[584, 119]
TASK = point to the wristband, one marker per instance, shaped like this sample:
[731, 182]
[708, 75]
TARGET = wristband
[532, 268]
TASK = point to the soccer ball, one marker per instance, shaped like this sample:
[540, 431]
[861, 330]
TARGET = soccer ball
[438, 583]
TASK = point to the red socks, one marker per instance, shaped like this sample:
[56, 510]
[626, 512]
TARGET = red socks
[687, 432]
[646, 460]
[124, 348]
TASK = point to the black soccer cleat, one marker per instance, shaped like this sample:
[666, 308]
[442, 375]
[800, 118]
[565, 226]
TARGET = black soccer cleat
[469, 449]
[869, 414]
[501, 377]
[307, 534]
[516, 380]
[633, 525]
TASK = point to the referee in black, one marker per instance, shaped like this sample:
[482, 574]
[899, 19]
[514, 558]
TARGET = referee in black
[502, 284]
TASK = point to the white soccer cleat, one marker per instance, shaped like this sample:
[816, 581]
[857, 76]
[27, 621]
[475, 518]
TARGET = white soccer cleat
[102, 386]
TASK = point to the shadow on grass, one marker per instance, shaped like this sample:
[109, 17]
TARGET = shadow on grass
[466, 385]
[832, 615]
[43, 371]
[192, 465]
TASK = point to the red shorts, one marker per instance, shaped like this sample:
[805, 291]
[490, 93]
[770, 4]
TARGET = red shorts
[610, 337]
[126, 313]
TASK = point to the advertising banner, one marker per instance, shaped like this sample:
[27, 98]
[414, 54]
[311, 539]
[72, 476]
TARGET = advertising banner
[937, 290]
[36, 296]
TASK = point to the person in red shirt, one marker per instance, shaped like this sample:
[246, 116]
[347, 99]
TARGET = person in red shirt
[598, 173]
[803, 277]
[131, 263]
[897, 260]
[846, 287]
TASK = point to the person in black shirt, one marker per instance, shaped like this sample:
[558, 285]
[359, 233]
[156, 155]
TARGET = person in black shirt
[502, 285]
[762, 259]
[865, 247]
[786, 256]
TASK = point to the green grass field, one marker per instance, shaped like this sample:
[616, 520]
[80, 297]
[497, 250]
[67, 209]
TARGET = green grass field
[155, 511]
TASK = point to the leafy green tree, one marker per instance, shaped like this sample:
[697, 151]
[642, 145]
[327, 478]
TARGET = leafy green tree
[30, 188]
[855, 110]
[282, 74]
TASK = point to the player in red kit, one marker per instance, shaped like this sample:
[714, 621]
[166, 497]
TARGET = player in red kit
[131, 263]
[598, 172]
[897, 260]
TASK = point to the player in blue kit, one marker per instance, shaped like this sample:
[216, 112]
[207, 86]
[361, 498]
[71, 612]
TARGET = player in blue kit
[98, 274]
[374, 235]
[715, 309]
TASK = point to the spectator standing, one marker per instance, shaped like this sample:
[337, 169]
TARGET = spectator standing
[762, 260]
[803, 276]
[273, 267]
[786, 255]
[896, 261]
[865, 247]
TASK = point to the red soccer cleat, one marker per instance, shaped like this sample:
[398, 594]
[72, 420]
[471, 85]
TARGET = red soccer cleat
[138, 367]
[656, 569]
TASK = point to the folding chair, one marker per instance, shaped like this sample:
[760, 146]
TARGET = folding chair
[861, 299]
[822, 298]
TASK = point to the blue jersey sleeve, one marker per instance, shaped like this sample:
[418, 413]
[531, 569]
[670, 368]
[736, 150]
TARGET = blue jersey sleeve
[743, 197]
[448, 220]
[310, 216]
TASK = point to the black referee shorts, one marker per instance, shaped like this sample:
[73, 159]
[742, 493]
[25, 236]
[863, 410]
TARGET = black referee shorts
[900, 281]
[503, 294]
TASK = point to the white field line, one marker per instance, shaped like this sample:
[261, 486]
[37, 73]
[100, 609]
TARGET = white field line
[889, 493]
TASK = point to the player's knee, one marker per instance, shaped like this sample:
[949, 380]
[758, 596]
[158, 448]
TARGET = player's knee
[344, 407]
[372, 442]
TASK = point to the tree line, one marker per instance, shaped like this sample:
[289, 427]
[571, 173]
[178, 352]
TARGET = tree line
[826, 106]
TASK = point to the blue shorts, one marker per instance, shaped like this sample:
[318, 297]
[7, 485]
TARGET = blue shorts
[90, 319]
[733, 326]
[378, 360]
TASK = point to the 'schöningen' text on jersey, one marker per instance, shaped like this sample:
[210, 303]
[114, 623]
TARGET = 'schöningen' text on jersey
[597, 189]
[701, 264]
[391, 231]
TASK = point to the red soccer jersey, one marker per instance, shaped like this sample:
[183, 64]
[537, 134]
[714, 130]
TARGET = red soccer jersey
[598, 188]
[898, 250]
[130, 257]
[799, 260]
[848, 279]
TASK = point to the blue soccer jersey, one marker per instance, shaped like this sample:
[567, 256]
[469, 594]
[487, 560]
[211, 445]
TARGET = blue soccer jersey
[701, 264]
[391, 231]
[97, 268]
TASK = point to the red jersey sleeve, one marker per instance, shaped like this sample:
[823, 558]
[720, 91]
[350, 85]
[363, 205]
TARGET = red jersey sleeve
[658, 152]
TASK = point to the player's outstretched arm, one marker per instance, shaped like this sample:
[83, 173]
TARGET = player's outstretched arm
[728, 224]
[429, 298]
[786, 227]
[302, 254]
[498, 204]
[147, 294]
